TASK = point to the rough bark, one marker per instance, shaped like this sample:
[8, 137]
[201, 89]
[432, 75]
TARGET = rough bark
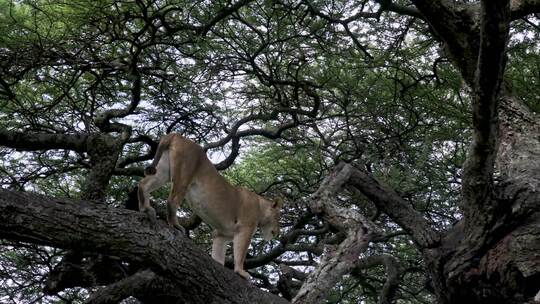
[495, 264]
[91, 227]
[518, 158]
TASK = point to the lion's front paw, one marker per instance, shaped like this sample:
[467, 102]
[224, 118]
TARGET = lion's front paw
[177, 226]
[242, 273]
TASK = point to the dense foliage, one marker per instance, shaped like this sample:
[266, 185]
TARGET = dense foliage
[278, 93]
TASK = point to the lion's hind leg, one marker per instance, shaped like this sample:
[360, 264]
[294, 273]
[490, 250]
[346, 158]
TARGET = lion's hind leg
[146, 186]
[181, 177]
[172, 207]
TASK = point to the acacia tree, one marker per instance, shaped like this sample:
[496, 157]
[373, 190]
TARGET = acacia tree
[367, 95]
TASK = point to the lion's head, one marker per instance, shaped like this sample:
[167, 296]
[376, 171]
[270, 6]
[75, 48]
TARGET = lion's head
[270, 221]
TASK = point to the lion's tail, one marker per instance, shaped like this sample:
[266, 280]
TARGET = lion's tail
[163, 145]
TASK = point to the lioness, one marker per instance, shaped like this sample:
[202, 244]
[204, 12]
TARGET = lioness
[233, 212]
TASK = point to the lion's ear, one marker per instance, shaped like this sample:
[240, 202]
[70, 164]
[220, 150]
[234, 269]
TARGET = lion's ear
[277, 203]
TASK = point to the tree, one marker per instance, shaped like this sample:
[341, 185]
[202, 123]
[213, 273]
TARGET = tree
[356, 112]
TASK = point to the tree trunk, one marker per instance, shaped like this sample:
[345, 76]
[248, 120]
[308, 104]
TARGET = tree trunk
[499, 262]
[491, 255]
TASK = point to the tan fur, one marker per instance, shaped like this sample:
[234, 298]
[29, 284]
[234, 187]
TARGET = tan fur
[233, 212]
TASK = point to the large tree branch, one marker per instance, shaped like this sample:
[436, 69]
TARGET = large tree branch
[91, 227]
[103, 151]
[396, 208]
[26, 141]
[479, 166]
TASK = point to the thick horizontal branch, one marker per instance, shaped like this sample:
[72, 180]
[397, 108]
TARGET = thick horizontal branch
[93, 227]
[26, 141]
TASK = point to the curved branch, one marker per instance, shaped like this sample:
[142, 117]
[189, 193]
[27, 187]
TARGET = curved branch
[199, 29]
[276, 133]
[233, 132]
[235, 151]
[389, 5]
[103, 120]
[141, 138]
[396, 208]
